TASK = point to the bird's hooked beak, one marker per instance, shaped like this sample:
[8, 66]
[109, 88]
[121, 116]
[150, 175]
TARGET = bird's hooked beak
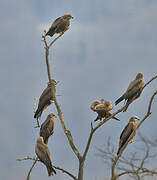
[137, 118]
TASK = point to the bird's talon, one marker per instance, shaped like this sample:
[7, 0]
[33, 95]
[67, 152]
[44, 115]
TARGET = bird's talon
[38, 126]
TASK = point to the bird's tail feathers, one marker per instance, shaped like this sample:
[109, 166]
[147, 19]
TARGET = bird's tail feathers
[49, 33]
[116, 118]
[96, 119]
[113, 117]
[119, 100]
[118, 151]
[50, 170]
[37, 114]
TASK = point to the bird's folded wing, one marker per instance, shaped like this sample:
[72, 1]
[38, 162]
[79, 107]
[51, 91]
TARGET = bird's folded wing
[45, 96]
[134, 87]
[43, 153]
[44, 130]
[56, 22]
[45, 124]
[126, 134]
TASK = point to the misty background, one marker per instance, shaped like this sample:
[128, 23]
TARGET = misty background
[108, 43]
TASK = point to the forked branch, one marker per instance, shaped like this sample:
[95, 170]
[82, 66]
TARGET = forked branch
[35, 159]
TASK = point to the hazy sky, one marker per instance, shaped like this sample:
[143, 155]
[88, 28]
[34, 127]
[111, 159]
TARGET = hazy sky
[108, 43]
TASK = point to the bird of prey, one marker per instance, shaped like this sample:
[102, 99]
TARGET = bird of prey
[127, 131]
[102, 108]
[47, 127]
[43, 153]
[45, 99]
[60, 25]
[133, 92]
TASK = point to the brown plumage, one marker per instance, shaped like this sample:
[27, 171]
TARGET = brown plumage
[133, 92]
[102, 108]
[43, 153]
[60, 25]
[127, 131]
[47, 127]
[45, 99]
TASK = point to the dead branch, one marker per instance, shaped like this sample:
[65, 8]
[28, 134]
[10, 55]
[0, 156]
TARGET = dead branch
[27, 158]
[66, 172]
[28, 175]
[155, 77]
[35, 159]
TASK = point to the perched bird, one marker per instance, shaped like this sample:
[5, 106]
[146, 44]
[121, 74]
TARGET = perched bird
[60, 25]
[102, 108]
[47, 127]
[45, 99]
[127, 131]
[133, 92]
[43, 153]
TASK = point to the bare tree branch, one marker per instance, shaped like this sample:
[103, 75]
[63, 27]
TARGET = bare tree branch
[155, 77]
[35, 159]
[88, 143]
[61, 34]
[66, 172]
[28, 175]
[149, 110]
[27, 158]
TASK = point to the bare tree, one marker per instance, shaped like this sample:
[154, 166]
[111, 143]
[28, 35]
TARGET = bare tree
[81, 157]
[135, 164]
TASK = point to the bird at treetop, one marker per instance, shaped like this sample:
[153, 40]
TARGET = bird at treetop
[60, 25]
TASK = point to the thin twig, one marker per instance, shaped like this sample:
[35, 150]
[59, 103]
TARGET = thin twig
[149, 109]
[155, 77]
[35, 159]
[61, 34]
[27, 158]
[88, 143]
[66, 172]
[47, 55]
[28, 176]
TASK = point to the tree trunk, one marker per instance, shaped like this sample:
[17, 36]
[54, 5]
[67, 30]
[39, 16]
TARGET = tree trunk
[81, 168]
